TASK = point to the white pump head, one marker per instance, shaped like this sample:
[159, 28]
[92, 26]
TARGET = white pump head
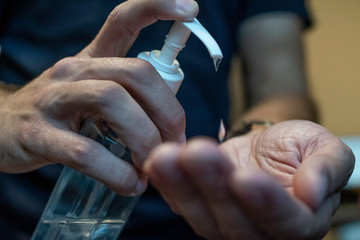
[165, 60]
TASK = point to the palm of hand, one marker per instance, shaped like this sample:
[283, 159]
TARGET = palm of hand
[278, 151]
[276, 183]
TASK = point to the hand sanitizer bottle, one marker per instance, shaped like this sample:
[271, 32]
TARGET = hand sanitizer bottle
[81, 207]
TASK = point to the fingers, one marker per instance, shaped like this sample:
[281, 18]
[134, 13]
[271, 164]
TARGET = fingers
[325, 170]
[209, 171]
[193, 180]
[222, 202]
[174, 185]
[136, 104]
[143, 112]
[59, 145]
[126, 20]
[95, 99]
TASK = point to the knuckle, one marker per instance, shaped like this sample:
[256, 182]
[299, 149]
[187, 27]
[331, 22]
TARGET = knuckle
[108, 92]
[65, 67]
[116, 18]
[142, 71]
[81, 152]
[109, 88]
[114, 14]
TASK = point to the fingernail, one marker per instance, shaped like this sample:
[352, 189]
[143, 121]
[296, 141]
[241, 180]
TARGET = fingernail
[189, 8]
[140, 186]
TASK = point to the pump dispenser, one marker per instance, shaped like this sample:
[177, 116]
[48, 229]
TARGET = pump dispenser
[81, 207]
[165, 61]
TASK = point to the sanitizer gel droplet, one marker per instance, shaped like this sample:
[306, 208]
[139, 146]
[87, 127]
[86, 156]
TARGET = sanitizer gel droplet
[217, 63]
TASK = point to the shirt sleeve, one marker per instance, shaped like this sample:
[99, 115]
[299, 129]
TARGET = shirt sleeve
[299, 7]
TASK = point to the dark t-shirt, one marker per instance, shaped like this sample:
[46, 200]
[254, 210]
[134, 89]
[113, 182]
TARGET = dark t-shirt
[36, 34]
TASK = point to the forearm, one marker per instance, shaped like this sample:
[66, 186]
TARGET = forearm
[275, 75]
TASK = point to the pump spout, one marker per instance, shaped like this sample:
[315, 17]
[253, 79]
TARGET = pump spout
[179, 34]
[214, 50]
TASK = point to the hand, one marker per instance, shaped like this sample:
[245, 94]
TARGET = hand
[40, 122]
[273, 184]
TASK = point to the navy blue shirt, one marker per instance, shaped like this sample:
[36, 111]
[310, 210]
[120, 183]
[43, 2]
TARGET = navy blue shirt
[36, 34]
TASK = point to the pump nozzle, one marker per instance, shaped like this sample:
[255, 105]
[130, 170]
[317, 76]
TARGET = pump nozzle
[210, 43]
[165, 60]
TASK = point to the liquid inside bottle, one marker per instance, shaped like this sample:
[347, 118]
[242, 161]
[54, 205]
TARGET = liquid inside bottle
[82, 208]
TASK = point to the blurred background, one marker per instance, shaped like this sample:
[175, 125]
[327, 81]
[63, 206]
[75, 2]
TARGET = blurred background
[333, 57]
[333, 60]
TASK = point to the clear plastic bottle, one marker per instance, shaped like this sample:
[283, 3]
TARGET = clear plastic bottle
[81, 208]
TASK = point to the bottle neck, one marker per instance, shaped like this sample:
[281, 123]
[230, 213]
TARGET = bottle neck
[174, 43]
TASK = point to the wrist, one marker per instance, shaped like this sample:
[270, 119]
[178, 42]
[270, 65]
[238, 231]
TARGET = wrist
[247, 127]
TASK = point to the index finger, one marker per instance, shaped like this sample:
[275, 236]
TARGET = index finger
[127, 19]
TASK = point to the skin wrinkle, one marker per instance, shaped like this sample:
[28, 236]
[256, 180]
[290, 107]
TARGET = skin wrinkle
[91, 68]
[239, 155]
[13, 155]
[311, 146]
[114, 19]
[68, 69]
[267, 153]
[281, 168]
[32, 131]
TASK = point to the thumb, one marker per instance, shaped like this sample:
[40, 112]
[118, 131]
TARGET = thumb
[126, 21]
[323, 173]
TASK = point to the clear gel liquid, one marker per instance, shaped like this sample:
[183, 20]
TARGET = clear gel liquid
[79, 229]
[217, 63]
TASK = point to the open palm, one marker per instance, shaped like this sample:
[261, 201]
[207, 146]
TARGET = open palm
[282, 149]
[274, 184]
